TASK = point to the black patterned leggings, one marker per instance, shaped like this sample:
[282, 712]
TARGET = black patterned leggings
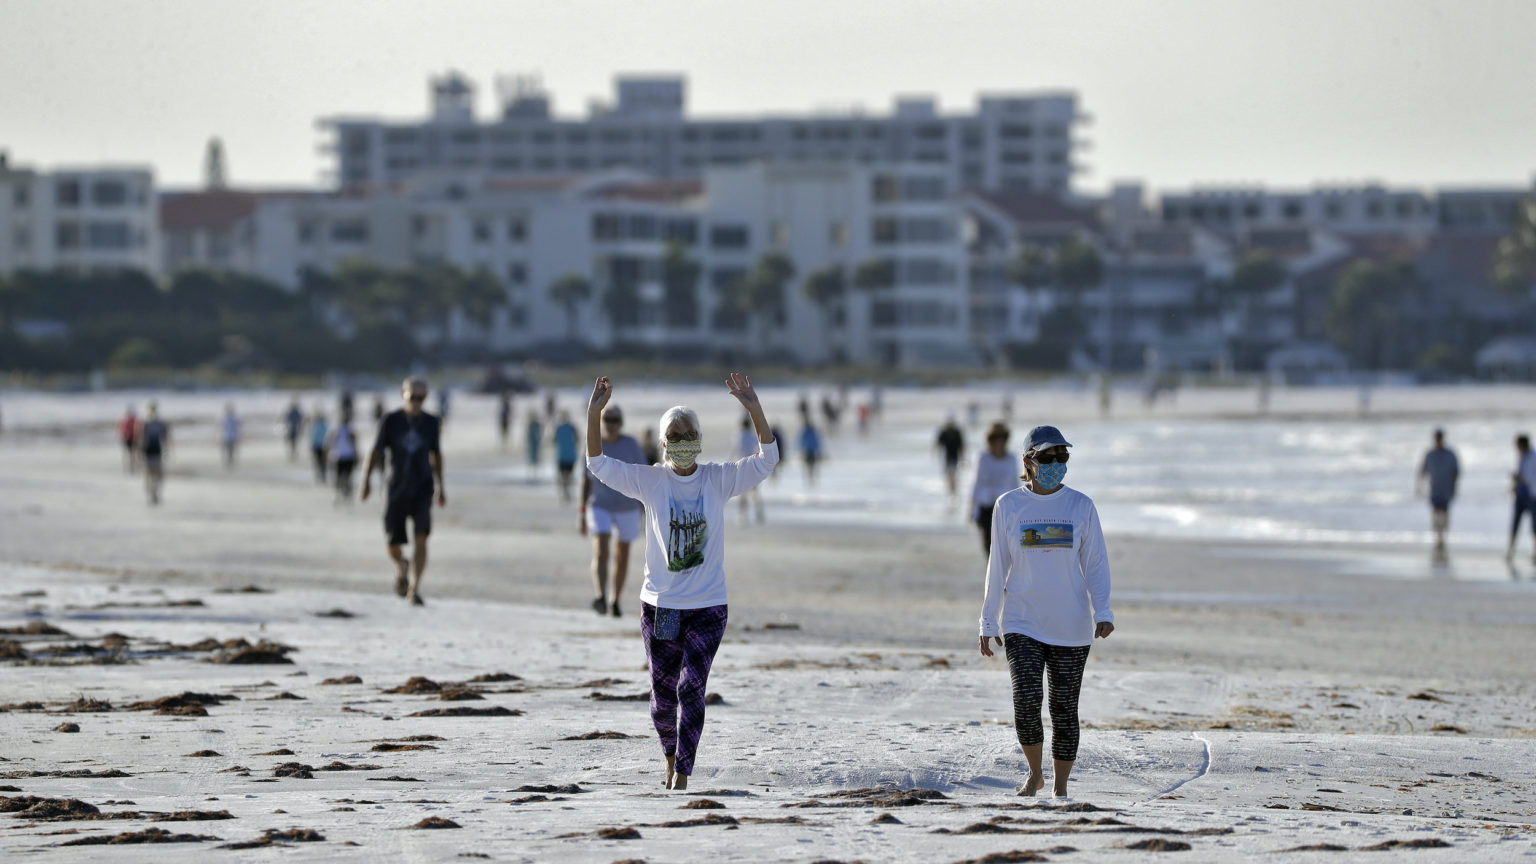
[1027, 658]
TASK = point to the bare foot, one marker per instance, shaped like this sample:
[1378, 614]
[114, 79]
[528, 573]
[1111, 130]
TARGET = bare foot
[1032, 785]
[414, 595]
[671, 771]
[402, 578]
[679, 781]
[1060, 791]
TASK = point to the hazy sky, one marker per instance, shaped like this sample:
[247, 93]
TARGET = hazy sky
[1180, 92]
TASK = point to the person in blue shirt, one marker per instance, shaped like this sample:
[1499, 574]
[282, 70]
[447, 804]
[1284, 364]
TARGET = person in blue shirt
[810, 451]
[565, 455]
[319, 432]
[1441, 470]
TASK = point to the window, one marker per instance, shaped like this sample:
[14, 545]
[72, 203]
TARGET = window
[728, 237]
[1250, 211]
[1016, 130]
[22, 239]
[517, 230]
[616, 136]
[350, 231]
[885, 188]
[576, 136]
[926, 231]
[22, 197]
[482, 231]
[779, 232]
[925, 271]
[885, 231]
[1292, 210]
[1334, 209]
[419, 226]
[517, 315]
[840, 234]
[931, 132]
[67, 235]
[923, 189]
[307, 232]
[67, 193]
[1373, 209]
[517, 273]
[469, 137]
[684, 231]
[1018, 157]
[642, 227]
[1404, 208]
[607, 226]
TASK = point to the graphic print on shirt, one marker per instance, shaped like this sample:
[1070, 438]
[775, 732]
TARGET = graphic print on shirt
[686, 534]
[1045, 535]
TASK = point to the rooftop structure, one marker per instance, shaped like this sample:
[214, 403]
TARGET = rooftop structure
[1007, 143]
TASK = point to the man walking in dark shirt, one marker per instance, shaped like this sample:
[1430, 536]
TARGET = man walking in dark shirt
[411, 436]
[1441, 471]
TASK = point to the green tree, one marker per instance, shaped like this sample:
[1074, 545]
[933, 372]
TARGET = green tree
[826, 288]
[570, 291]
[1514, 267]
[1367, 315]
[1031, 268]
[621, 293]
[137, 353]
[763, 292]
[1078, 267]
[876, 274]
[680, 281]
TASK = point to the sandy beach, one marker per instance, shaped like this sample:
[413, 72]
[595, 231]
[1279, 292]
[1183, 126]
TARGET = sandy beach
[1257, 697]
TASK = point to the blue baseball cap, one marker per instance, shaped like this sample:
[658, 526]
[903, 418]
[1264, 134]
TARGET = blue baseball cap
[1044, 437]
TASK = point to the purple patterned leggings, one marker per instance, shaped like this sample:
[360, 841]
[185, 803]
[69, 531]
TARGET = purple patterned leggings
[679, 671]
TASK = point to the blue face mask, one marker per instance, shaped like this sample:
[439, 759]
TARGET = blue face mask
[1050, 476]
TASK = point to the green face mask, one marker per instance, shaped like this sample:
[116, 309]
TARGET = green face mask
[683, 454]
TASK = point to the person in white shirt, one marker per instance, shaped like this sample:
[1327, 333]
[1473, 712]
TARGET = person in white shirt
[995, 474]
[683, 598]
[1525, 493]
[1047, 565]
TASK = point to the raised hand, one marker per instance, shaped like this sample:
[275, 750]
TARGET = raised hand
[602, 391]
[741, 388]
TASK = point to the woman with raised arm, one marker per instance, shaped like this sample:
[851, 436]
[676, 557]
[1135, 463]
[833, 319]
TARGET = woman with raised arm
[1046, 567]
[683, 599]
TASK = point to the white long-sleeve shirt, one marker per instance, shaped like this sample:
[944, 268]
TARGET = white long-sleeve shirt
[685, 522]
[994, 476]
[1048, 562]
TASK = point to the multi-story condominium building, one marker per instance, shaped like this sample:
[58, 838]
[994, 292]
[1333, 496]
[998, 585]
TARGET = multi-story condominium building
[629, 235]
[96, 218]
[1020, 142]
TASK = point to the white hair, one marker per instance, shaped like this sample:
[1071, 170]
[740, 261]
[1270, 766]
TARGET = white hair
[672, 415]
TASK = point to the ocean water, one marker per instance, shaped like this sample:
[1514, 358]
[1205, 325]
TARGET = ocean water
[1315, 470]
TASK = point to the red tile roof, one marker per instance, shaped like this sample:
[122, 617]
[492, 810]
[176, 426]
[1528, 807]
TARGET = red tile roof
[212, 209]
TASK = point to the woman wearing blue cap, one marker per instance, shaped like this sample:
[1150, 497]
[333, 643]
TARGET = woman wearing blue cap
[1046, 567]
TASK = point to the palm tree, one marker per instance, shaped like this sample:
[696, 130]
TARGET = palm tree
[876, 274]
[1078, 270]
[1031, 268]
[762, 291]
[680, 279]
[1514, 268]
[826, 288]
[1257, 273]
[569, 291]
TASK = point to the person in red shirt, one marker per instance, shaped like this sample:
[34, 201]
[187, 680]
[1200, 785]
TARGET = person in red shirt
[128, 434]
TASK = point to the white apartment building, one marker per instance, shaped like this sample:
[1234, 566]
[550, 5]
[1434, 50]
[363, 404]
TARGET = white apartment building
[1012, 142]
[82, 219]
[614, 229]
